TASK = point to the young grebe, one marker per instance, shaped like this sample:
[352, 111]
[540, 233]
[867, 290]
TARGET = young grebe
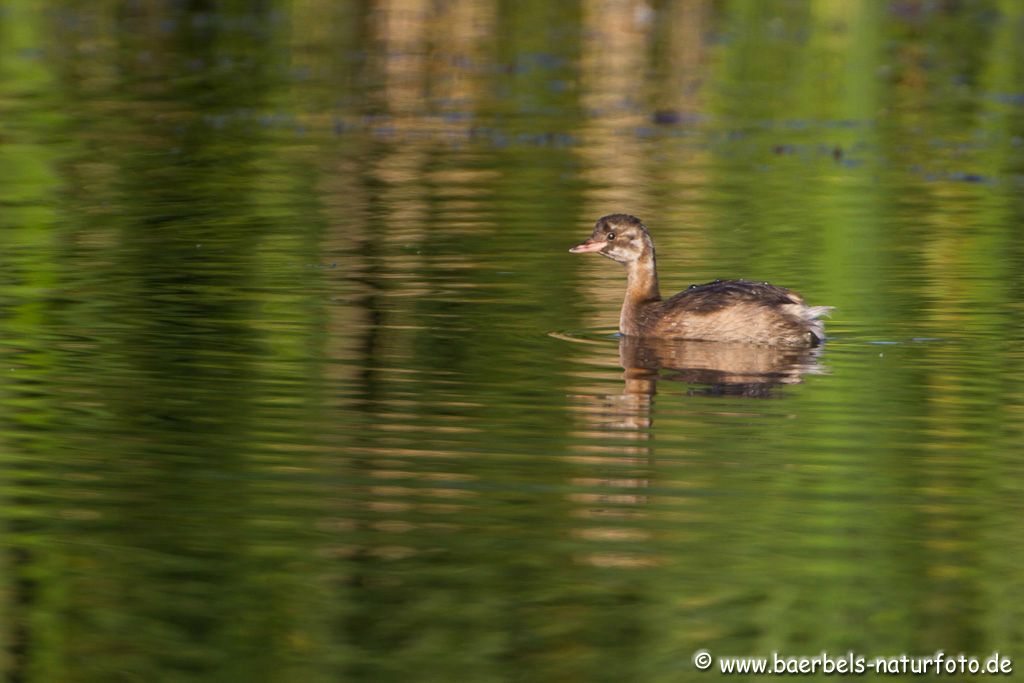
[723, 310]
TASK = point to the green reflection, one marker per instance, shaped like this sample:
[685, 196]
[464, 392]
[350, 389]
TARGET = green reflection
[303, 385]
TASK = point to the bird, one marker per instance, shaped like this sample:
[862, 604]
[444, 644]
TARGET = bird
[737, 311]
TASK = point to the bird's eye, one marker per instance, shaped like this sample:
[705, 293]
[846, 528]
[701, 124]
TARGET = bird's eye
[611, 237]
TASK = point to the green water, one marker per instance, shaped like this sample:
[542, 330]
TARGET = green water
[301, 384]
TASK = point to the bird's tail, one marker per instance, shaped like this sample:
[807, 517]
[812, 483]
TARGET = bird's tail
[813, 314]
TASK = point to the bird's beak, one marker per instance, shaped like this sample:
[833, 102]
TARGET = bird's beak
[587, 246]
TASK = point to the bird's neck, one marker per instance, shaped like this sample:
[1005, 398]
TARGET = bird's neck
[641, 289]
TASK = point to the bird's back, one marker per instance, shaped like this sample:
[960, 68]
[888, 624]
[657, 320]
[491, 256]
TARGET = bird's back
[713, 296]
[738, 311]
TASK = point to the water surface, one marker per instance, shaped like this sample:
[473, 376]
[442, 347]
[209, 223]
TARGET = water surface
[302, 383]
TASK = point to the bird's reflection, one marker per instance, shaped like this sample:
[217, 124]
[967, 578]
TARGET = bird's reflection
[706, 368]
[714, 368]
[616, 428]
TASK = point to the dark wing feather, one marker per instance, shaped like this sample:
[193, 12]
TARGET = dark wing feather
[714, 296]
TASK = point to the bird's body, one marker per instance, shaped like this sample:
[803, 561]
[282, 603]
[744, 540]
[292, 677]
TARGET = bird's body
[728, 310]
[723, 310]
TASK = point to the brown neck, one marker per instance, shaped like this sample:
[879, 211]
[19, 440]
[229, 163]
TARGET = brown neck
[641, 288]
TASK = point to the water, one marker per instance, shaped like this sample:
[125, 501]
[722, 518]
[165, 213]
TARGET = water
[302, 383]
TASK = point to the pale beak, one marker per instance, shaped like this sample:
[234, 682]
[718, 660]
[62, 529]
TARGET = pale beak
[587, 246]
